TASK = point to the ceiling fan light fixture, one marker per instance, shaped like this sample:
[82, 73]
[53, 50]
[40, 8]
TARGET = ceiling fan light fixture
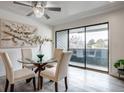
[38, 11]
[39, 8]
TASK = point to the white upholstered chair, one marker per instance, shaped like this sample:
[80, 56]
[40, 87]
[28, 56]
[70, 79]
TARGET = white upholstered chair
[13, 76]
[57, 54]
[59, 72]
[56, 57]
[27, 53]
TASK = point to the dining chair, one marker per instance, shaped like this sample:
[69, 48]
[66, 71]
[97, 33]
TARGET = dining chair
[56, 57]
[27, 53]
[59, 72]
[57, 54]
[14, 76]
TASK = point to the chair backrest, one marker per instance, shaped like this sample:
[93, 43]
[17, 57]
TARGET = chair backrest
[8, 66]
[26, 53]
[62, 66]
[58, 54]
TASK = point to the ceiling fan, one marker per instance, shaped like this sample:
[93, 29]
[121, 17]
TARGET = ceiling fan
[39, 8]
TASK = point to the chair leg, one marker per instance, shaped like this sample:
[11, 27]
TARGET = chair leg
[51, 81]
[66, 84]
[56, 87]
[6, 86]
[41, 82]
[28, 80]
[34, 83]
[12, 88]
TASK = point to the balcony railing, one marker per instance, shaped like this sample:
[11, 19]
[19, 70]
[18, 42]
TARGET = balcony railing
[94, 57]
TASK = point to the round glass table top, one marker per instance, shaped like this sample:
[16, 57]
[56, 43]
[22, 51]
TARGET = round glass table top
[31, 61]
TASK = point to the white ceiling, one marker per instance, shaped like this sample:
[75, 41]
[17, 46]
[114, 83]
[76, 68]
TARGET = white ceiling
[71, 10]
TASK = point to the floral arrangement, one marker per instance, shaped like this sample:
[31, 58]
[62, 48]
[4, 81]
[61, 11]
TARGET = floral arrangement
[37, 40]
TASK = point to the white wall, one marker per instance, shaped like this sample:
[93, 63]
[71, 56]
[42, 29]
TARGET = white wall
[15, 53]
[116, 33]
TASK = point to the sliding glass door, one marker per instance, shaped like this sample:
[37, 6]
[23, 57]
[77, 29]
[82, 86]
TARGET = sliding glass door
[89, 45]
[97, 47]
[76, 44]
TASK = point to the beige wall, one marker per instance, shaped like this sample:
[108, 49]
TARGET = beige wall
[116, 33]
[15, 53]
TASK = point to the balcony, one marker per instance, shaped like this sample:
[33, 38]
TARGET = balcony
[95, 58]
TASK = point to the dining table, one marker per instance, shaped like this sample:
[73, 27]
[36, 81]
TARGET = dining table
[40, 66]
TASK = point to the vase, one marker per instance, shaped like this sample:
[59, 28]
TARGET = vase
[40, 56]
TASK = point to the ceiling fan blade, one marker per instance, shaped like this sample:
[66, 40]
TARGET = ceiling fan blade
[47, 17]
[19, 3]
[29, 14]
[58, 9]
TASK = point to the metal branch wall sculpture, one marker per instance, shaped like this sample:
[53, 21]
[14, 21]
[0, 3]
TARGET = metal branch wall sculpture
[13, 34]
